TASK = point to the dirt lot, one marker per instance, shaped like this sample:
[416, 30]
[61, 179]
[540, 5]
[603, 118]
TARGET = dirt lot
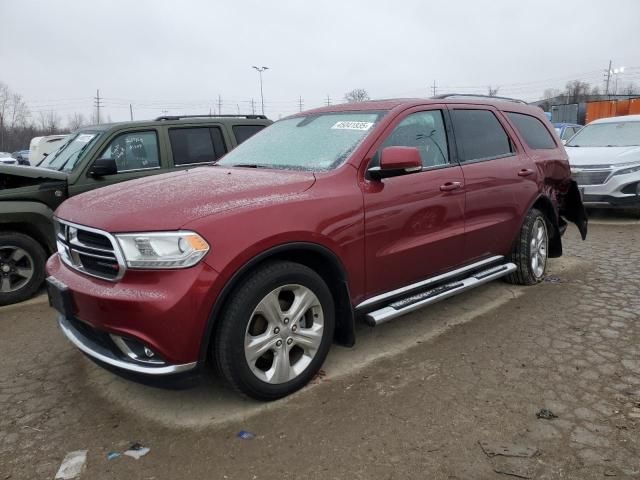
[421, 397]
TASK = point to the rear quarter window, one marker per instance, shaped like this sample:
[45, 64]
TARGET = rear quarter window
[534, 133]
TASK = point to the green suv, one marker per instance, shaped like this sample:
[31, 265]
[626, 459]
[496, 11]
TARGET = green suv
[95, 157]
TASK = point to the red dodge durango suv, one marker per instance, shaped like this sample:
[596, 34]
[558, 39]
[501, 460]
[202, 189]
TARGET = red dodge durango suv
[261, 261]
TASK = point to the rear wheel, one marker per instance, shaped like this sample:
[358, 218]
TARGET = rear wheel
[530, 250]
[22, 262]
[276, 330]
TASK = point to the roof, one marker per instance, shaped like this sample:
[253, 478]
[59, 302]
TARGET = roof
[391, 103]
[170, 120]
[623, 118]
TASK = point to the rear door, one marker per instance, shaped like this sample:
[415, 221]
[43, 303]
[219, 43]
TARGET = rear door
[500, 179]
[196, 145]
[414, 223]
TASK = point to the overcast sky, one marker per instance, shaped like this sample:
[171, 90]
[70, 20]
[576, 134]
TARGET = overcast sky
[179, 56]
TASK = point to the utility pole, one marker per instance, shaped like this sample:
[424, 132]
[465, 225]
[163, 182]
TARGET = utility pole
[608, 75]
[260, 70]
[253, 107]
[300, 102]
[219, 104]
[434, 88]
[328, 100]
[98, 104]
[131, 111]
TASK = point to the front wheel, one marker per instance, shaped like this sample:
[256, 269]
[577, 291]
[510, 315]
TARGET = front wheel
[22, 262]
[530, 250]
[276, 330]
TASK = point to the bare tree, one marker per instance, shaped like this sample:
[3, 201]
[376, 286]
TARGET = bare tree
[631, 89]
[492, 91]
[551, 93]
[75, 121]
[356, 95]
[577, 91]
[49, 122]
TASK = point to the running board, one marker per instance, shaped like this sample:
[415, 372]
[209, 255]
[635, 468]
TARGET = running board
[433, 295]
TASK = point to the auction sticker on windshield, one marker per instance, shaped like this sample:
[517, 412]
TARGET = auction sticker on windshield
[350, 125]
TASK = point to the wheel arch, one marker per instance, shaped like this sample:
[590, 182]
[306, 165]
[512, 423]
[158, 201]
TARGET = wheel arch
[29, 218]
[545, 205]
[317, 257]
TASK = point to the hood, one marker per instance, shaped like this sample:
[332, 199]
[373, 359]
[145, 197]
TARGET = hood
[44, 174]
[591, 156]
[169, 201]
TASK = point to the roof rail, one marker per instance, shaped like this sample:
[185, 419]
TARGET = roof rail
[472, 95]
[179, 117]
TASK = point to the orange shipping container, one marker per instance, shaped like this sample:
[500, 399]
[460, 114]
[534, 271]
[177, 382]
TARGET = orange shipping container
[634, 106]
[608, 108]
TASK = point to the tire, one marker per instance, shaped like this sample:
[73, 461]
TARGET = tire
[530, 250]
[22, 262]
[260, 350]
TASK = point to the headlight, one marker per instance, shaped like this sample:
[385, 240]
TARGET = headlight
[624, 171]
[162, 249]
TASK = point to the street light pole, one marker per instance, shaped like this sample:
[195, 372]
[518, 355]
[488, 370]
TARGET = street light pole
[260, 70]
[616, 72]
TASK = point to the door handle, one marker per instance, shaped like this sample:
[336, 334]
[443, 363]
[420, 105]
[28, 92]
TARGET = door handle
[449, 186]
[525, 172]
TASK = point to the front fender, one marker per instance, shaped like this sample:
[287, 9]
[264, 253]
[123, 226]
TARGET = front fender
[34, 218]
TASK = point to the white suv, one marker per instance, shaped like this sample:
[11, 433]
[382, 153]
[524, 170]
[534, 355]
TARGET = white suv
[605, 162]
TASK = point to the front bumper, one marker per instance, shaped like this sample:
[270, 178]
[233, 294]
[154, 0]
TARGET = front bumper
[98, 348]
[166, 311]
[619, 191]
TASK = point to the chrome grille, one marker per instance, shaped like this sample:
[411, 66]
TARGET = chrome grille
[89, 250]
[590, 177]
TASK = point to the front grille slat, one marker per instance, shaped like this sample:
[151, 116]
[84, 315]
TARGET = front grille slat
[591, 177]
[88, 251]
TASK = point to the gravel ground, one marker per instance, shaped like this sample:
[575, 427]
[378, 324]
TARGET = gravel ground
[437, 404]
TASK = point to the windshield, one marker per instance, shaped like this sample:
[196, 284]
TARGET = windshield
[614, 134]
[312, 142]
[67, 156]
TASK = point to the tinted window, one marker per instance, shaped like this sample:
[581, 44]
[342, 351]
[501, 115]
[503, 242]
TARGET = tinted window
[134, 151]
[568, 133]
[243, 132]
[533, 131]
[196, 145]
[426, 132]
[479, 135]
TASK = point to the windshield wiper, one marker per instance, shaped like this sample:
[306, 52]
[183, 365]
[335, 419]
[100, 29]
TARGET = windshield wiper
[77, 155]
[249, 165]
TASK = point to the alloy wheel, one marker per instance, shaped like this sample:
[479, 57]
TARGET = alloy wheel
[284, 334]
[16, 268]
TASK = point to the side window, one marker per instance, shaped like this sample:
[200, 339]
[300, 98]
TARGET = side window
[134, 151]
[479, 135]
[426, 132]
[534, 133]
[196, 145]
[243, 132]
[568, 133]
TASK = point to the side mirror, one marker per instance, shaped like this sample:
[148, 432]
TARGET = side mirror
[397, 161]
[103, 167]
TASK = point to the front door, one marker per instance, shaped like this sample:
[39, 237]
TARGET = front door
[414, 223]
[137, 154]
